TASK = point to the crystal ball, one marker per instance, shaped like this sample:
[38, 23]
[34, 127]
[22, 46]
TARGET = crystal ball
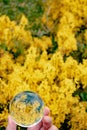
[26, 109]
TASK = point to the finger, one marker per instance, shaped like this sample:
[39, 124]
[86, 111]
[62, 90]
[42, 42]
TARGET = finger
[47, 122]
[53, 128]
[46, 111]
[11, 125]
[42, 128]
[39, 125]
[36, 127]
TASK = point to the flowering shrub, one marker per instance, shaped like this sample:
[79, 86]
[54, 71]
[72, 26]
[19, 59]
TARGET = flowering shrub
[51, 65]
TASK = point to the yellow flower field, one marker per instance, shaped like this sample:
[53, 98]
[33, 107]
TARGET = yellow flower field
[54, 78]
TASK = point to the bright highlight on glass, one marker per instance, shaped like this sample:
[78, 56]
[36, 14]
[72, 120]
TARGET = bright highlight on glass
[26, 109]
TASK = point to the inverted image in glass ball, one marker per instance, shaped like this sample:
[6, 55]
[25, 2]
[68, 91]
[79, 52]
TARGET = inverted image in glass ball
[26, 109]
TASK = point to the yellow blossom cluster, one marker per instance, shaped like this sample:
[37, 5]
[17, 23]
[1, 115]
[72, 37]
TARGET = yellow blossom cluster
[80, 118]
[66, 17]
[9, 33]
[54, 79]
[51, 79]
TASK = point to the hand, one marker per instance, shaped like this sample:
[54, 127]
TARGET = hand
[45, 124]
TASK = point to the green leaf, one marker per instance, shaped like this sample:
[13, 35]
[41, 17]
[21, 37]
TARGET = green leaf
[3, 46]
[2, 128]
[6, 1]
[54, 46]
[83, 96]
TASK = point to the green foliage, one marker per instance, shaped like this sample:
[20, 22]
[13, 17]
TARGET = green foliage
[82, 93]
[3, 46]
[54, 46]
[65, 125]
[21, 128]
[80, 53]
[2, 128]
[32, 9]
[16, 50]
[83, 96]
[19, 48]
[6, 1]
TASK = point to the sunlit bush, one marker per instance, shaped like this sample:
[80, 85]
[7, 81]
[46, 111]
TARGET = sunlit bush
[54, 65]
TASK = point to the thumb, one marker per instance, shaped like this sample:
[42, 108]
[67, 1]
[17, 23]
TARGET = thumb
[11, 125]
[47, 122]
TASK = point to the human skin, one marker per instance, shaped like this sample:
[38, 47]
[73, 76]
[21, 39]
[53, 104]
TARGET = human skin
[45, 124]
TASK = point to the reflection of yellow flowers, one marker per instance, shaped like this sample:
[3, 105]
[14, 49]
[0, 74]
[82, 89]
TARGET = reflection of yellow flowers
[25, 114]
[48, 75]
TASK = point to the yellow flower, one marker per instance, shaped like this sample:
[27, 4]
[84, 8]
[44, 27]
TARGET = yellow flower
[54, 79]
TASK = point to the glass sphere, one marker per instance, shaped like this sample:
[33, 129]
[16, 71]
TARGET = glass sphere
[26, 109]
